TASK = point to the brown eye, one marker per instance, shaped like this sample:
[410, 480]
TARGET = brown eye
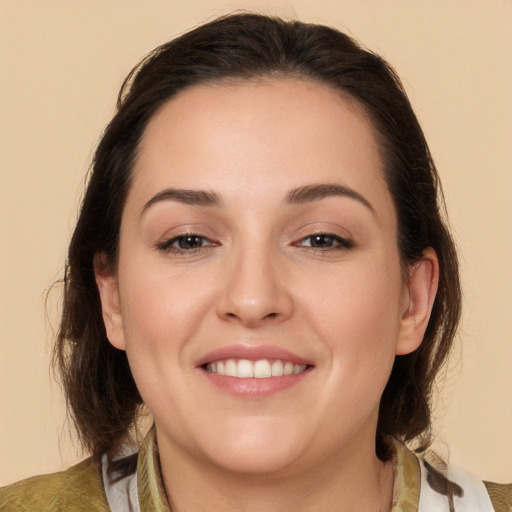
[189, 241]
[321, 241]
[325, 241]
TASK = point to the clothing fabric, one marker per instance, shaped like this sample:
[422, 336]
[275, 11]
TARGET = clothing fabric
[419, 486]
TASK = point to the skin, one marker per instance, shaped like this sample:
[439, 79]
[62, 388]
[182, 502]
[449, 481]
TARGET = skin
[256, 279]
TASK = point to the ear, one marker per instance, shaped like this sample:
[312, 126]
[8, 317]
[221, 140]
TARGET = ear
[420, 293]
[108, 288]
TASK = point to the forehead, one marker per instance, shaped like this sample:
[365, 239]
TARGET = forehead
[260, 138]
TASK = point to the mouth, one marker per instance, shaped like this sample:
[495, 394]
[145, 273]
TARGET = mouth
[253, 372]
[259, 369]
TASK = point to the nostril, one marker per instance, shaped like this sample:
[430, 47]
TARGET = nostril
[253, 306]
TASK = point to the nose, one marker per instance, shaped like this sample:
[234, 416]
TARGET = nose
[256, 291]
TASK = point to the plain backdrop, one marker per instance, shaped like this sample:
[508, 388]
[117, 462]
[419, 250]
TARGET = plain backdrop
[61, 64]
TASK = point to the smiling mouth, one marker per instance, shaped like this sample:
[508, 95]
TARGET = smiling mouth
[260, 369]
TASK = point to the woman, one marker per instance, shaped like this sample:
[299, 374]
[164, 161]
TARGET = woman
[261, 261]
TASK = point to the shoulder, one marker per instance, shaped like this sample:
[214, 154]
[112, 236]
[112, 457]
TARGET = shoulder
[425, 482]
[79, 488]
[501, 496]
[463, 490]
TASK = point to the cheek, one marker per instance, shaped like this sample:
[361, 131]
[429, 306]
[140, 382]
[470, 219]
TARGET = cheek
[161, 309]
[364, 300]
[160, 317]
[357, 314]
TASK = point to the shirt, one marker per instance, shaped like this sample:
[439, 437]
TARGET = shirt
[418, 486]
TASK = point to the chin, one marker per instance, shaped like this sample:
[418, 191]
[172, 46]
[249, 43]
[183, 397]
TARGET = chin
[261, 449]
[254, 461]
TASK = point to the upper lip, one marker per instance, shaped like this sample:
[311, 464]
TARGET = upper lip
[251, 352]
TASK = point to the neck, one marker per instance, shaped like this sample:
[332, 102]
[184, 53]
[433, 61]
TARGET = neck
[346, 482]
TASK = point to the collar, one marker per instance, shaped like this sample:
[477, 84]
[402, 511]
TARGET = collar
[406, 478]
[406, 484]
[149, 478]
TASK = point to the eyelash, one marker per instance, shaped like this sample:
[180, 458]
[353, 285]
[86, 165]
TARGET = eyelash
[168, 245]
[336, 242]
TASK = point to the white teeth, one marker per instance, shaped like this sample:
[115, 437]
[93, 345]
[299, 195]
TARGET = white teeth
[277, 369]
[230, 369]
[245, 369]
[261, 369]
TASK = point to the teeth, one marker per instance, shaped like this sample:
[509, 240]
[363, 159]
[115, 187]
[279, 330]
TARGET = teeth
[230, 369]
[244, 369]
[261, 369]
[277, 369]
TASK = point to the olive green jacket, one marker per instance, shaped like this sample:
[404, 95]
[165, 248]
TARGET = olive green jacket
[81, 488]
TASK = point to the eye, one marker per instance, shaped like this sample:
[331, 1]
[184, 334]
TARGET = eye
[189, 241]
[325, 241]
[186, 243]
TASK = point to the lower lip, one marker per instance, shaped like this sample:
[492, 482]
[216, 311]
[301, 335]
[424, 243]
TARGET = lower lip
[252, 387]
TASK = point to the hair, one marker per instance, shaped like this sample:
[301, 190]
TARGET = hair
[102, 396]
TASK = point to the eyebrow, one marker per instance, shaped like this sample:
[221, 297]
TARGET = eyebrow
[299, 195]
[318, 191]
[191, 197]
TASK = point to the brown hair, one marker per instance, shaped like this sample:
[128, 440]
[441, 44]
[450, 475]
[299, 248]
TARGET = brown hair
[101, 393]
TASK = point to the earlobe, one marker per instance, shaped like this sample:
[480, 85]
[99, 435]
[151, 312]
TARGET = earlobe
[421, 292]
[108, 289]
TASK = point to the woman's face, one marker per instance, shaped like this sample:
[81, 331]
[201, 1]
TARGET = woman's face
[259, 237]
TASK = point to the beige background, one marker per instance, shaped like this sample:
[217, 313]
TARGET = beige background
[62, 63]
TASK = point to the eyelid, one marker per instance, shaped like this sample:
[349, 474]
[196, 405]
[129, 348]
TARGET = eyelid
[166, 244]
[342, 242]
[329, 228]
[171, 228]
